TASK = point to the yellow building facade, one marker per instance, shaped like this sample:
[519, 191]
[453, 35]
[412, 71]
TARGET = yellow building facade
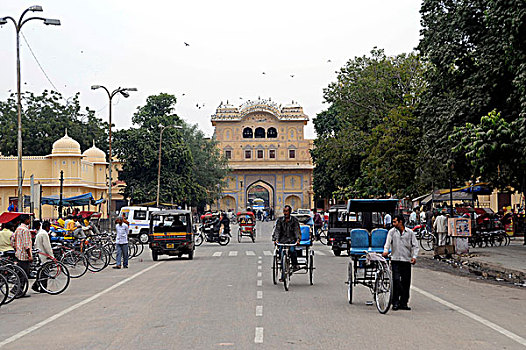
[267, 153]
[83, 172]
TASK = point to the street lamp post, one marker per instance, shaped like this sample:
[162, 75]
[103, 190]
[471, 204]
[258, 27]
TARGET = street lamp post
[18, 27]
[123, 92]
[159, 165]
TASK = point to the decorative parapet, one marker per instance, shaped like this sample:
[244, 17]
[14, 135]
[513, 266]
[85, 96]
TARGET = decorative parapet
[230, 113]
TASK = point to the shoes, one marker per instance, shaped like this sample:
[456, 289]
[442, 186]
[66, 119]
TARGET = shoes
[125, 267]
[405, 307]
[395, 307]
[116, 267]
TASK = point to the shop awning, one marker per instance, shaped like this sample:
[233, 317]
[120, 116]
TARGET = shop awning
[83, 199]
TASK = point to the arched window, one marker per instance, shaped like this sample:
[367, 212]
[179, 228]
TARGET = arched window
[260, 133]
[247, 133]
[272, 133]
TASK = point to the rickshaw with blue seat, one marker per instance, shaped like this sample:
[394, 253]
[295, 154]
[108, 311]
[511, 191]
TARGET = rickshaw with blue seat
[305, 255]
[366, 265]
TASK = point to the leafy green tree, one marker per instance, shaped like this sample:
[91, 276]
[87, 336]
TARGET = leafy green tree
[191, 168]
[368, 138]
[475, 52]
[44, 120]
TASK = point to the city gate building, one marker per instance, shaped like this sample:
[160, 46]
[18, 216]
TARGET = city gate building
[267, 153]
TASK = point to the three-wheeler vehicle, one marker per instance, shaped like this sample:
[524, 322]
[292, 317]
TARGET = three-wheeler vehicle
[366, 240]
[337, 229]
[171, 233]
[247, 225]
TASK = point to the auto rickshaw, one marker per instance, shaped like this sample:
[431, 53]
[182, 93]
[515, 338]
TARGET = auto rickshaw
[247, 225]
[171, 233]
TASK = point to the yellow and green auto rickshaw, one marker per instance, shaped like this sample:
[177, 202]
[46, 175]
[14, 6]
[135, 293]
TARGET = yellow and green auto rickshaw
[171, 233]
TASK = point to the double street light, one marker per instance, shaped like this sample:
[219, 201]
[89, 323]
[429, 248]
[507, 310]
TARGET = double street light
[160, 149]
[123, 92]
[18, 27]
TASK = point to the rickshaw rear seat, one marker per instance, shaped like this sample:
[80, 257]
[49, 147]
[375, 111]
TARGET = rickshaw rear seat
[305, 236]
[378, 238]
[359, 241]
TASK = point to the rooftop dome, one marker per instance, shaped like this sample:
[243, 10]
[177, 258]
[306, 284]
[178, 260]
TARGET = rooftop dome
[94, 154]
[66, 146]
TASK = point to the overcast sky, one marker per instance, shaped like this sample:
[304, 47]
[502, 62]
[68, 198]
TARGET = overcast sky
[140, 44]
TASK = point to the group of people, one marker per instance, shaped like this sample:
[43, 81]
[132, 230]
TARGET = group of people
[16, 236]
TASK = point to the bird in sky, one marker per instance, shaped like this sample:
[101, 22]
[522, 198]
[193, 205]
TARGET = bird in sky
[292, 75]
[241, 98]
[186, 44]
[81, 51]
[263, 73]
[329, 61]
[183, 94]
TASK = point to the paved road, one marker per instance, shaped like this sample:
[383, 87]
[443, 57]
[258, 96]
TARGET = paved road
[225, 299]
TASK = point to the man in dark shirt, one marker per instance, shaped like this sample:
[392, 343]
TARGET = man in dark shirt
[287, 231]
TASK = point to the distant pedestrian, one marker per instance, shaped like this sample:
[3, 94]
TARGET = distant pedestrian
[21, 241]
[318, 224]
[429, 218]
[43, 244]
[387, 221]
[412, 218]
[404, 250]
[440, 228]
[121, 242]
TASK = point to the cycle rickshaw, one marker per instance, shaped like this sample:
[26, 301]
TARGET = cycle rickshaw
[282, 264]
[247, 225]
[367, 238]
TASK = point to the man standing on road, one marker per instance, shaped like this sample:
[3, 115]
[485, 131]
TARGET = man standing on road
[404, 246]
[23, 245]
[121, 243]
[387, 221]
[43, 244]
[318, 224]
[287, 231]
[440, 228]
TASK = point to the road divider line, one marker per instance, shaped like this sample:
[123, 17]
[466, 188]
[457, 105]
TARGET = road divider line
[259, 267]
[259, 294]
[73, 307]
[258, 339]
[217, 254]
[473, 316]
[260, 274]
[267, 252]
[232, 253]
[250, 253]
[259, 310]
[259, 257]
[260, 283]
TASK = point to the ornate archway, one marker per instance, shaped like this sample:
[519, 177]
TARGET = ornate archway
[294, 201]
[228, 202]
[259, 195]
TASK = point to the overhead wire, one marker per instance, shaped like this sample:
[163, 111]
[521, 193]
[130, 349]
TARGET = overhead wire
[39, 65]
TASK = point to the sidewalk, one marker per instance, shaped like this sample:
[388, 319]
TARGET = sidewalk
[502, 263]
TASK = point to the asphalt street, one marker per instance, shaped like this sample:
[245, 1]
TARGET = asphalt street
[225, 299]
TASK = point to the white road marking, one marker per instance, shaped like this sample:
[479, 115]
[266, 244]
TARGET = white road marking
[259, 310]
[232, 253]
[267, 252]
[259, 294]
[259, 335]
[260, 274]
[217, 254]
[260, 283]
[259, 257]
[74, 307]
[250, 252]
[259, 267]
[473, 316]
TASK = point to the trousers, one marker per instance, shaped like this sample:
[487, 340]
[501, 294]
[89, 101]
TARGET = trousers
[401, 282]
[122, 252]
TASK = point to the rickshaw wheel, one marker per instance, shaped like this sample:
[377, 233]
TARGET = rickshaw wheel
[275, 269]
[239, 235]
[155, 257]
[199, 240]
[337, 252]
[383, 289]
[311, 269]
[286, 273]
[253, 236]
[349, 281]
[191, 255]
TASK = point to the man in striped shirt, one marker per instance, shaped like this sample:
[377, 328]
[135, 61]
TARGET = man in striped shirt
[23, 245]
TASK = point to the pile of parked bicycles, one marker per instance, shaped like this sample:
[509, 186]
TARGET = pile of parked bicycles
[72, 258]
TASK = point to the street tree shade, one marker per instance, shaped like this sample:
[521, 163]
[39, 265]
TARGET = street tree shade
[18, 28]
[123, 92]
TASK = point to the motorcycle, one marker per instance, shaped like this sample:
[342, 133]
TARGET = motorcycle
[207, 233]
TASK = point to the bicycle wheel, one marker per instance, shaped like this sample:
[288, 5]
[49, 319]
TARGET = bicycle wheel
[13, 282]
[76, 263]
[140, 248]
[4, 290]
[112, 252]
[323, 237]
[24, 281]
[275, 269]
[311, 269]
[132, 250]
[427, 242]
[98, 258]
[286, 272]
[53, 277]
[349, 281]
[383, 289]
[199, 240]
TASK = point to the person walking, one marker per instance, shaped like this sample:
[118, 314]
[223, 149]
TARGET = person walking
[121, 242]
[21, 241]
[318, 224]
[404, 249]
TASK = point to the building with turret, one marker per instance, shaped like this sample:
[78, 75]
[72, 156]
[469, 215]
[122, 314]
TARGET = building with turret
[268, 154]
[83, 172]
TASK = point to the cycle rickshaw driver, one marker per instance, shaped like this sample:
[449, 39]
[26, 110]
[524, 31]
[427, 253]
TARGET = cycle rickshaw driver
[287, 231]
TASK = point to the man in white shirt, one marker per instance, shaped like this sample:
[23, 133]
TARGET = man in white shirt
[387, 221]
[412, 218]
[121, 242]
[440, 228]
[43, 244]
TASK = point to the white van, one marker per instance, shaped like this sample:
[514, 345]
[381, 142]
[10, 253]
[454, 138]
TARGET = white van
[139, 219]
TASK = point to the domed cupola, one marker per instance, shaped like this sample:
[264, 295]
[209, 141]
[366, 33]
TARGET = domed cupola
[94, 154]
[66, 146]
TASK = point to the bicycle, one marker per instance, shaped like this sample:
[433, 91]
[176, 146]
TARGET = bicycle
[284, 264]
